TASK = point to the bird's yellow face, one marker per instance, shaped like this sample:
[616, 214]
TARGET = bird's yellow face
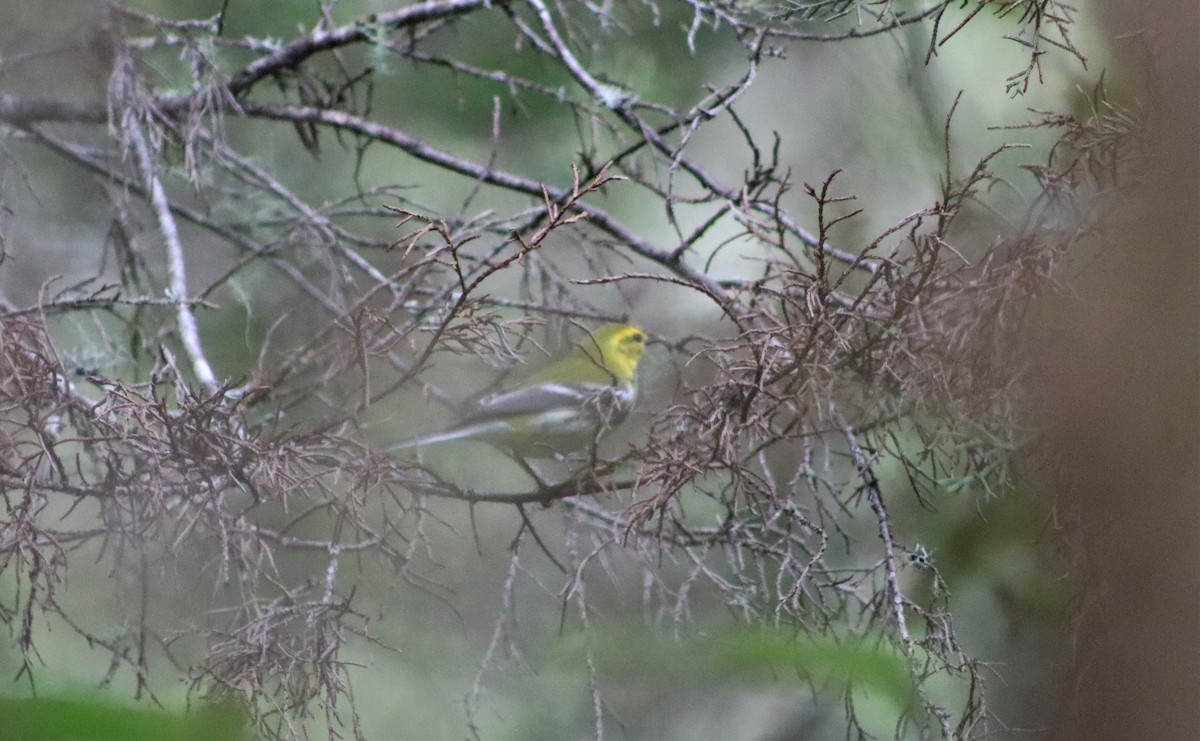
[621, 346]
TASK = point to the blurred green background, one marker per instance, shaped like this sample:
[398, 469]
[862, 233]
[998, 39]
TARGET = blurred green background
[871, 108]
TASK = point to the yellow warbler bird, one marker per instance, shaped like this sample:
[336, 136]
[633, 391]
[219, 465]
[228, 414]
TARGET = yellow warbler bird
[562, 408]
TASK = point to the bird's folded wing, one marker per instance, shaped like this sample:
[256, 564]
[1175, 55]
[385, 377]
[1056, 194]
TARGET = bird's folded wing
[542, 397]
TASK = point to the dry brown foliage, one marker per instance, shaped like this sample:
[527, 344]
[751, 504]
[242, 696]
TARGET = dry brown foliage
[833, 359]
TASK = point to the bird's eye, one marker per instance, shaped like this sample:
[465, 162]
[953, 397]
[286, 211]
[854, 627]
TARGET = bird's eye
[638, 337]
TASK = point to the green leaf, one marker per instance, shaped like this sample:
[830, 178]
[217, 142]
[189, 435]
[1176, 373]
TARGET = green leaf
[100, 719]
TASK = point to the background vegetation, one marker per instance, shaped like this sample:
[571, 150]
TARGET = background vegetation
[914, 455]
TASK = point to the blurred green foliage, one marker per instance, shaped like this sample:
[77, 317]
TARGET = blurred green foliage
[97, 717]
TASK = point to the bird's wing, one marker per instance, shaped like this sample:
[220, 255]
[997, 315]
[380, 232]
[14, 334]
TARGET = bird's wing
[498, 412]
[534, 399]
[478, 429]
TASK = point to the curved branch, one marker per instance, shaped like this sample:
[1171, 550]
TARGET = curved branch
[295, 52]
[415, 147]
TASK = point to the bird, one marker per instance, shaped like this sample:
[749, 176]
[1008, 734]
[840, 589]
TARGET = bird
[560, 409]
